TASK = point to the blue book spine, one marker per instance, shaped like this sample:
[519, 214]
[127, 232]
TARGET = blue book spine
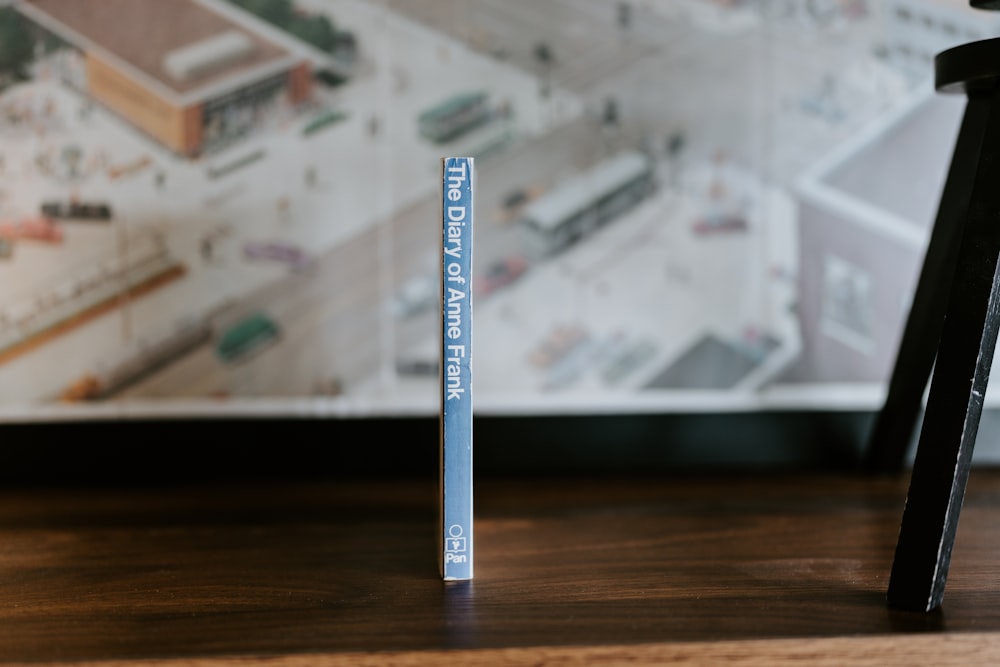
[456, 368]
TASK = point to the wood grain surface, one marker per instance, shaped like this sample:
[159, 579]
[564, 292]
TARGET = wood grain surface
[741, 570]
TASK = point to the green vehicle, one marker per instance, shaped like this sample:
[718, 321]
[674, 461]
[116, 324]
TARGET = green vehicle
[323, 120]
[247, 335]
[454, 117]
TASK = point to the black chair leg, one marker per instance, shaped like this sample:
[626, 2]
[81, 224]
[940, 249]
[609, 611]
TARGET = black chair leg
[961, 372]
[896, 422]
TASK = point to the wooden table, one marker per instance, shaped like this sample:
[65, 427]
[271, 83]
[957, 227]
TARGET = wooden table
[723, 569]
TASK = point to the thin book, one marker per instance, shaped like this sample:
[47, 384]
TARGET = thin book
[457, 176]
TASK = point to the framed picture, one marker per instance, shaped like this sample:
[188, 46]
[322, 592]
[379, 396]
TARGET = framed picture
[231, 207]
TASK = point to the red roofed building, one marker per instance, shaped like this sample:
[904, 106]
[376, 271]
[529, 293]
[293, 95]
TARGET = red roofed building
[192, 74]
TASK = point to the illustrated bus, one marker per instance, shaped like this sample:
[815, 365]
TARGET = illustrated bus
[454, 117]
[74, 210]
[577, 207]
[247, 335]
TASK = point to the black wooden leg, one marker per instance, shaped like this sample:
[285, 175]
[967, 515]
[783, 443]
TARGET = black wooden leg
[896, 421]
[954, 405]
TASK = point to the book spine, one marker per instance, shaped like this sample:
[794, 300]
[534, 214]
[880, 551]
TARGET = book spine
[456, 368]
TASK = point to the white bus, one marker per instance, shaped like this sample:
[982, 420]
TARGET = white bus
[580, 205]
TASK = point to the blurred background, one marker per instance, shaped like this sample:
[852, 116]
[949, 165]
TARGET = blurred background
[230, 208]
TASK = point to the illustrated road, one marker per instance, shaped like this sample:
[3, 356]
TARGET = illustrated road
[334, 320]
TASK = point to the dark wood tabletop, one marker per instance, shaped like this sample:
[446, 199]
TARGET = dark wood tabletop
[714, 569]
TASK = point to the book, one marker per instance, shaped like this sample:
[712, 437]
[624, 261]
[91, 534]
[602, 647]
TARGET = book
[457, 175]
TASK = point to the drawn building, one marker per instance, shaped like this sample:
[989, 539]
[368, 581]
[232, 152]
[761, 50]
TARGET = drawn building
[192, 74]
[865, 214]
[917, 30]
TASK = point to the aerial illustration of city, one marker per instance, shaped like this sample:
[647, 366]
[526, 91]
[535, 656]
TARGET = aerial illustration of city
[233, 206]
